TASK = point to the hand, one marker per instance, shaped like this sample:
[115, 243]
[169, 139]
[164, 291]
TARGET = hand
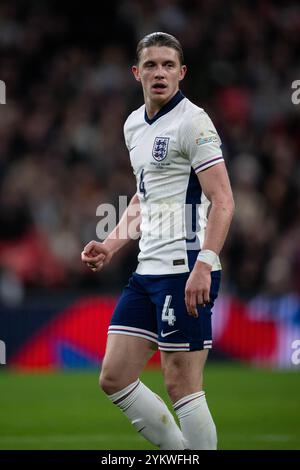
[96, 255]
[197, 288]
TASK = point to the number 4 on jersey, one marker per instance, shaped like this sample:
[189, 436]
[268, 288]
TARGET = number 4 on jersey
[167, 312]
[142, 184]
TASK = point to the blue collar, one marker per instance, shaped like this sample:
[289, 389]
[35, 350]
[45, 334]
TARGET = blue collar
[166, 108]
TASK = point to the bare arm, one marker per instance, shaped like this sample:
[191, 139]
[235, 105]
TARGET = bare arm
[96, 255]
[127, 228]
[216, 186]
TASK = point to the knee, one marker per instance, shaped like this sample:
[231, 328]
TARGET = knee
[174, 387]
[108, 382]
[179, 383]
[112, 380]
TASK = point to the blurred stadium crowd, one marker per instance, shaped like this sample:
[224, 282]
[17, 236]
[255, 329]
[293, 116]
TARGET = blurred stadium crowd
[69, 89]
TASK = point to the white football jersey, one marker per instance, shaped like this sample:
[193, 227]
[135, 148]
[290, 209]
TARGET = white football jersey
[166, 152]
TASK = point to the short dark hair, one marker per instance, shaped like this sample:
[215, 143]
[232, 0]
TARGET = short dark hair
[159, 39]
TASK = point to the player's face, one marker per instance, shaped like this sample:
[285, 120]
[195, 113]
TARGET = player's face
[159, 70]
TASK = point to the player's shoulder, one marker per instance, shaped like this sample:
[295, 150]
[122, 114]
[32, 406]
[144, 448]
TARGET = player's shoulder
[194, 117]
[132, 124]
[191, 111]
[134, 118]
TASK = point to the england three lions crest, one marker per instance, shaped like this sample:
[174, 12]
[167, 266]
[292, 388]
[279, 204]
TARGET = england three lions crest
[160, 148]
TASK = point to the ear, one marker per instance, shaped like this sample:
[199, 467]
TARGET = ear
[136, 73]
[182, 73]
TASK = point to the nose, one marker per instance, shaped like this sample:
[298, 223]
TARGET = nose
[159, 72]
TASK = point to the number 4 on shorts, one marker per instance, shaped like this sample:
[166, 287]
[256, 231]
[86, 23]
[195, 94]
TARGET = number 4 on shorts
[168, 313]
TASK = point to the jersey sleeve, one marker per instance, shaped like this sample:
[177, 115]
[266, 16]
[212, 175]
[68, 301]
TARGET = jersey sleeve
[200, 141]
[126, 135]
[127, 140]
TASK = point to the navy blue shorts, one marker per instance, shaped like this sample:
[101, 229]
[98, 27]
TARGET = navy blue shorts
[153, 307]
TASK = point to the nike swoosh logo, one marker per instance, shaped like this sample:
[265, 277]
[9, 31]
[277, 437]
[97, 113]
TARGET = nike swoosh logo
[132, 148]
[163, 335]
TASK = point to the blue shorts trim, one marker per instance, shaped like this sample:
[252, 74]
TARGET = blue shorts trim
[152, 307]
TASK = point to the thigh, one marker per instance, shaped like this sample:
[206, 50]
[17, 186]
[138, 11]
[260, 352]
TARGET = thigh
[125, 358]
[177, 330]
[135, 313]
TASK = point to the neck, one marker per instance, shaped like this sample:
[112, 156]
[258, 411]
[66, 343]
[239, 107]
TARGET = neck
[153, 108]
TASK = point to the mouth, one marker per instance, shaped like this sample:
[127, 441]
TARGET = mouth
[159, 87]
